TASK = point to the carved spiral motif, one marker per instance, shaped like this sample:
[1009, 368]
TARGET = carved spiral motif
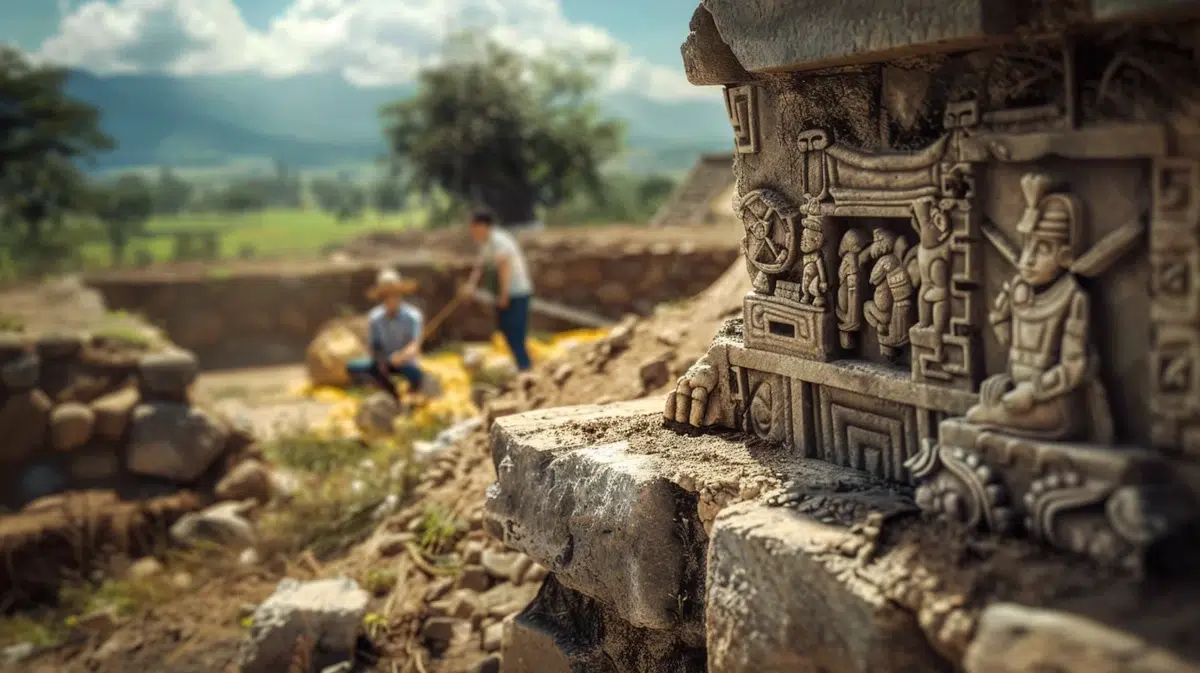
[1059, 493]
[970, 492]
[759, 415]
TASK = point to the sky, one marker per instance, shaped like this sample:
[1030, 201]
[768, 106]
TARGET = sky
[369, 42]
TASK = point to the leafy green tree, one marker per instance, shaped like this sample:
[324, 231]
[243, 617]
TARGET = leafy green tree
[340, 196]
[510, 132]
[172, 194]
[387, 195]
[123, 208]
[43, 132]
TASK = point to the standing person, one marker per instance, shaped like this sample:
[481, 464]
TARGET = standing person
[394, 332]
[502, 258]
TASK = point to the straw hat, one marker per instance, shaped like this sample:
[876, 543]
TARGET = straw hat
[390, 282]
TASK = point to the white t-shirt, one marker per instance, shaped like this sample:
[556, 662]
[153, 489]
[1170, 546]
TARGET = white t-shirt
[502, 245]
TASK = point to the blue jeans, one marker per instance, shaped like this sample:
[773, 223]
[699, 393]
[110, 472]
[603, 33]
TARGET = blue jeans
[360, 368]
[513, 322]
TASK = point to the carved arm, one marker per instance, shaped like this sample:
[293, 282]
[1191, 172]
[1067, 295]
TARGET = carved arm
[1000, 317]
[1072, 367]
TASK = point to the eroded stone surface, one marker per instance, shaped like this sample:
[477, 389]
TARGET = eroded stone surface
[1015, 639]
[608, 522]
[706, 58]
[772, 605]
[324, 615]
[174, 441]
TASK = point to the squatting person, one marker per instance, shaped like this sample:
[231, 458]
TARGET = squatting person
[394, 332]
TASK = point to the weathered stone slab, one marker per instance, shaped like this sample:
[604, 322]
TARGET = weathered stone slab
[174, 441]
[1013, 639]
[768, 35]
[773, 605]
[706, 58]
[1108, 10]
[609, 523]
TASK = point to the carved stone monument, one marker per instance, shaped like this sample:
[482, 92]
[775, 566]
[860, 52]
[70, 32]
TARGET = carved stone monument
[1014, 324]
[957, 426]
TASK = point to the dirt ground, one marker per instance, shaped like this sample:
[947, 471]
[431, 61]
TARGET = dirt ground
[199, 630]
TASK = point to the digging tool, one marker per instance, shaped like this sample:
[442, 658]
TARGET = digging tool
[552, 310]
[437, 320]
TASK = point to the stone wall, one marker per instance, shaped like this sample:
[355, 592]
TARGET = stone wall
[99, 445]
[262, 315]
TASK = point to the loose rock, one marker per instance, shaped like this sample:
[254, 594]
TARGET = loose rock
[23, 421]
[490, 664]
[655, 373]
[112, 413]
[70, 426]
[327, 613]
[174, 441]
[248, 480]
[145, 568]
[493, 637]
[21, 373]
[222, 524]
[441, 631]
[167, 375]
[474, 578]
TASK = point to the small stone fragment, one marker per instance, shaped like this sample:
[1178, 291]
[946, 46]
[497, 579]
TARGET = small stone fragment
[112, 413]
[493, 636]
[327, 613]
[222, 524]
[534, 574]
[489, 664]
[499, 564]
[145, 568]
[562, 373]
[441, 631]
[472, 552]
[174, 441]
[21, 373]
[248, 480]
[70, 426]
[474, 578]
[655, 373]
[24, 418]
[167, 376]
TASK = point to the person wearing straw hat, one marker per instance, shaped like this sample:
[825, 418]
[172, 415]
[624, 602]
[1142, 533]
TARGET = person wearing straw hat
[394, 335]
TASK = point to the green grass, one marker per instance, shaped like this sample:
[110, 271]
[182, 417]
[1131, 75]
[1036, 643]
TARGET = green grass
[270, 233]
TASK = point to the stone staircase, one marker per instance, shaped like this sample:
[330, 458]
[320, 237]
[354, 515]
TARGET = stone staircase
[691, 202]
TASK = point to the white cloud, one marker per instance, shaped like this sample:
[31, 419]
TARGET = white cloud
[370, 42]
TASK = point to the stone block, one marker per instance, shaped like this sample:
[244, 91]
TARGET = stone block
[1125, 10]
[1013, 638]
[21, 372]
[113, 412]
[773, 605]
[767, 35]
[167, 375]
[70, 426]
[59, 346]
[23, 421]
[707, 60]
[174, 441]
[95, 463]
[325, 613]
[609, 523]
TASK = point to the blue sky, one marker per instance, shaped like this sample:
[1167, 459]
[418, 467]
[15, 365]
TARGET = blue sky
[370, 42]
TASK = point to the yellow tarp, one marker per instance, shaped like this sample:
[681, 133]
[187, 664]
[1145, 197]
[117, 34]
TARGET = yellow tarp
[455, 402]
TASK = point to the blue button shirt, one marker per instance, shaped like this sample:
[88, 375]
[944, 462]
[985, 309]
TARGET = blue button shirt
[391, 333]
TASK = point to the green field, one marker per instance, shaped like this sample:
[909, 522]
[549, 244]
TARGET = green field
[271, 233]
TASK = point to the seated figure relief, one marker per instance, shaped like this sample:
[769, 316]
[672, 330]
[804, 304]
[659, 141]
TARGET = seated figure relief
[1051, 389]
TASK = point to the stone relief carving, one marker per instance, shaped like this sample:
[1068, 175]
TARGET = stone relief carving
[741, 103]
[1052, 388]
[1031, 449]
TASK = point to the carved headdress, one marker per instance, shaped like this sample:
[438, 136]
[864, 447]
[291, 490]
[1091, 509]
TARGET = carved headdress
[1050, 211]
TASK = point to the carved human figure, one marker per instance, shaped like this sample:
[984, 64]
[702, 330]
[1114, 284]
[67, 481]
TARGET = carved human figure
[892, 275]
[853, 252]
[1050, 388]
[933, 262]
[813, 281]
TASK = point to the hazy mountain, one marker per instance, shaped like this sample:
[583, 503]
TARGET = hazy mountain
[320, 121]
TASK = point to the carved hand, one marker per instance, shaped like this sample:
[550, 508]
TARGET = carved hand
[688, 404]
[1020, 398]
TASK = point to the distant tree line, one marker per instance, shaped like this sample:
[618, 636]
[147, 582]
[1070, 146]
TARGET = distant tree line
[487, 127]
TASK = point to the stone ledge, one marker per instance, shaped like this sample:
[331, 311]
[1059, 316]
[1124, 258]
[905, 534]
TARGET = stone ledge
[1013, 639]
[774, 605]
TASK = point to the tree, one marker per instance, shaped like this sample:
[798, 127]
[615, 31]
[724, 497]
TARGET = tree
[511, 132]
[172, 194]
[339, 196]
[43, 132]
[387, 195]
[123, 208]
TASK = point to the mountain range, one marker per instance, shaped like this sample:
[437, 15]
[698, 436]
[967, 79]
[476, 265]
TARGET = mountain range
[318, 121]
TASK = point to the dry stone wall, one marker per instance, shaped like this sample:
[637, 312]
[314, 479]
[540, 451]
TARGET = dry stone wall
[99, 446]
[268, 315]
